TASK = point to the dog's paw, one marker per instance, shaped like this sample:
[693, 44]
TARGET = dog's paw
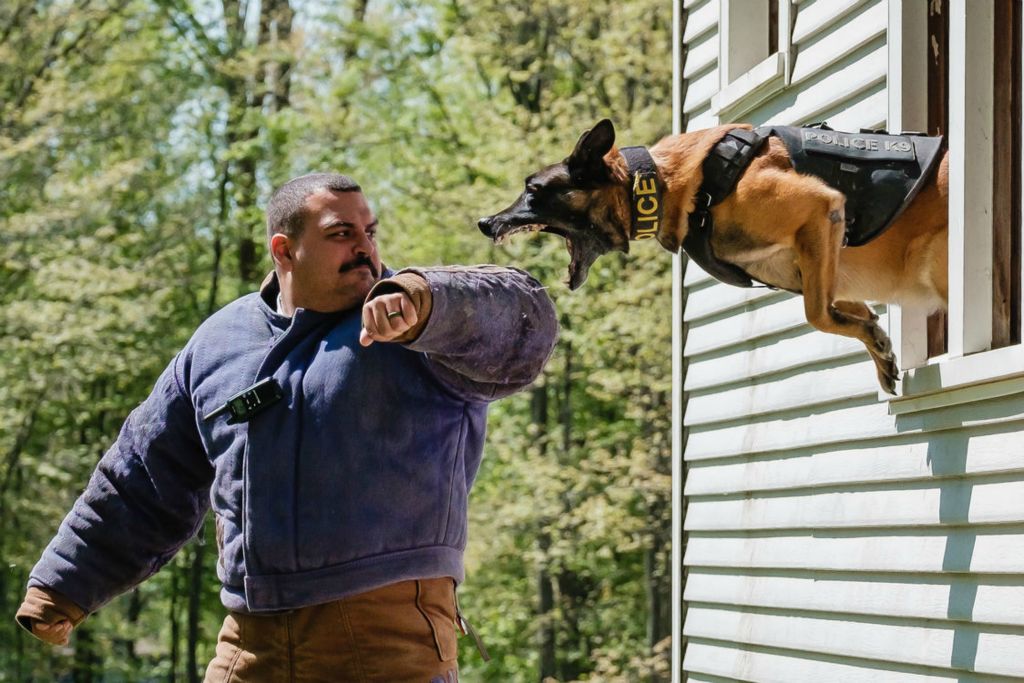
[887, 380]
[888, 371]
[881, 342]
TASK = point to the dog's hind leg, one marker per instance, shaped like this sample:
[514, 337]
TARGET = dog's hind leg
[817, 246]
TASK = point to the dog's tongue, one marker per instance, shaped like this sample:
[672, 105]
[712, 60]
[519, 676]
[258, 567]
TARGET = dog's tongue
[583, 251]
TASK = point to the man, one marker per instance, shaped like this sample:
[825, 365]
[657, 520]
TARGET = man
[339, 482]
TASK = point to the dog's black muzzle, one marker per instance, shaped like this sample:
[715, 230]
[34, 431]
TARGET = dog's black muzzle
[520, 213]
[501, 224]
[486, 225]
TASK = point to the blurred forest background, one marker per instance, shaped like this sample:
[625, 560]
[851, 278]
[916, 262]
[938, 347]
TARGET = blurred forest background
[139, 141]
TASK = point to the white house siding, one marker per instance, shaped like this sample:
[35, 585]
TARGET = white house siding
[827, 539]
[701, 70]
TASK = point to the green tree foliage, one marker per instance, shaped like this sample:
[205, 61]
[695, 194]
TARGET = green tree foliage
[139, 140]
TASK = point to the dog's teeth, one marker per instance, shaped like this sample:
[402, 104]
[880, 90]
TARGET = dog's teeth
[505, 237]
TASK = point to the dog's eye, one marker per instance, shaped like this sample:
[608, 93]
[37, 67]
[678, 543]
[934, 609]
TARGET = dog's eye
[532, 187]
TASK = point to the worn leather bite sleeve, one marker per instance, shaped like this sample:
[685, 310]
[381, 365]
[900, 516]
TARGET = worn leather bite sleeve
[490, 331]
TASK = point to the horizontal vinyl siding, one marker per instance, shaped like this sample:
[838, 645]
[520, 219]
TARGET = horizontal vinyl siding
[838, 70]
[917, 550]
[892, 459]
[828, 540]
[995, 600]
[700, 75]
[722, 662]
[981, 648]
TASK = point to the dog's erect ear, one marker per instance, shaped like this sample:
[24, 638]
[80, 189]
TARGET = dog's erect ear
[594, 143]
[587, 159]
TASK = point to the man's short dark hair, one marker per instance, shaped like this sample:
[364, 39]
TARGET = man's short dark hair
[286, 211]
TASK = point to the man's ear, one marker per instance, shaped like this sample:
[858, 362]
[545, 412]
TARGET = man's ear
[587, 159]
[281, 250]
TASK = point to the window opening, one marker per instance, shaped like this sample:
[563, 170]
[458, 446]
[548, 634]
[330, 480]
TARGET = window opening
[938, 124]
[1006, 176]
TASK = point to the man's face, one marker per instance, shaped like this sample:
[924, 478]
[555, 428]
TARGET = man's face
[334, 260]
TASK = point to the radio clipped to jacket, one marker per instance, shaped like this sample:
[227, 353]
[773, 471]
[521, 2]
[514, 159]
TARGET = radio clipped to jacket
[249, 402]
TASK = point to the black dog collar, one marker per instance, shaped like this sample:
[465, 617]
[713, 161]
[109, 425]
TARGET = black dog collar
[645, 199]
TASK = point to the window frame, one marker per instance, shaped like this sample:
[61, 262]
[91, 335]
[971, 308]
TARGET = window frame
[953, 377]
[742, 92]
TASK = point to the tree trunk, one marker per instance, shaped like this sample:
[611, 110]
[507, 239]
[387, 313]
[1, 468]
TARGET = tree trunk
[278, 19]
[127, 645]
[539, 415]
[572, 591]
[87, 661]
[653, 593]
[248, 96]
[172, 673]
[657, 553]
[545, 609]
[565, 410]
[351, 45]
[194, 603]
[19, 655]
[545, 591]
[244, 178]
[218, 241]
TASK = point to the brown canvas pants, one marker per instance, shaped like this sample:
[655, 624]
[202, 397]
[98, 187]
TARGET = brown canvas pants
[402, 633]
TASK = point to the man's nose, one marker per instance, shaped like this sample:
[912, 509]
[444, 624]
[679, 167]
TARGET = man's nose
[364, 245]
[486, 225]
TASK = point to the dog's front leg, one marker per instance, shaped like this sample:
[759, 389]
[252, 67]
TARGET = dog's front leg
[817, 245]
[856, 309]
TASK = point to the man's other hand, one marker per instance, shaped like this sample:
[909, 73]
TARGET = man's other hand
[48, 615]
[387, 317]
[55, 634]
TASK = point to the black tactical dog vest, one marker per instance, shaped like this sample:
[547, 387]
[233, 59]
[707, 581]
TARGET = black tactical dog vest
[879, 174]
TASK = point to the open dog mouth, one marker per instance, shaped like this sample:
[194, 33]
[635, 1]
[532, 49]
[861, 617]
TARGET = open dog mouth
[584, 246]
[504, 233]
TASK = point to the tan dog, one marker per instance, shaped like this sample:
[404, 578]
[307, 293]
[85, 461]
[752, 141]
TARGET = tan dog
[783, 228]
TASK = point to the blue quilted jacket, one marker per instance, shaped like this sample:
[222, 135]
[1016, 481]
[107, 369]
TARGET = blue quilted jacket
[358, 478]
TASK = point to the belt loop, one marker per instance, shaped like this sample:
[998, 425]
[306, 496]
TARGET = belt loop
[466, 627]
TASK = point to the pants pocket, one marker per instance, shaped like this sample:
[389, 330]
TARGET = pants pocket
[229, 649]
[435, 600]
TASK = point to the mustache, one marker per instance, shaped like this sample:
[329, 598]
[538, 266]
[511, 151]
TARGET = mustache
[360, 261]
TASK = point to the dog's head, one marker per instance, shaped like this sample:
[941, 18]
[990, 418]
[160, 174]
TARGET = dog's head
[583, 199]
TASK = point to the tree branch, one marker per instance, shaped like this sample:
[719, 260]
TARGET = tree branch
[20, 441]
[91, 29]
[15, 20]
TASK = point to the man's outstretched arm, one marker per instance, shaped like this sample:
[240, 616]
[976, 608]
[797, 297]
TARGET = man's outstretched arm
[487, 330]
[146, 498]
